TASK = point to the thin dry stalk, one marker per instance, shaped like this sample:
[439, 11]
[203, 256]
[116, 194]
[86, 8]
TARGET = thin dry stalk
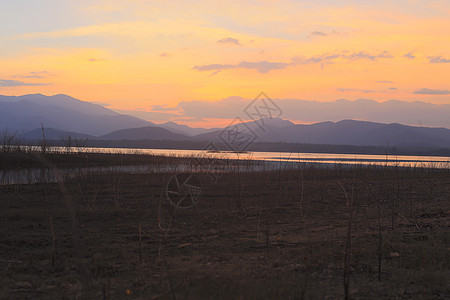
[140, 245]
[348, 243]
[52, 231]
[106, 289]
[379, 241]
[44, 143]
[301, 195]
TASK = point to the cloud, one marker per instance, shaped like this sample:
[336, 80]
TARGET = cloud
[230, 40]
[363, 54]
[324, 34]
[29, 76]
[355, 90]
[214, 73]
[39, 74]
[16, 83]
[384, 81]
[426, 91]
[393, 111]
[164, 107]
[263, 66]
[409, 55]
[266, 66]
[227, 108]
[438, 60]
[165, 54]
[214, 67]
[331, 58]
[260, 66]
[316, 59]
[317, 33]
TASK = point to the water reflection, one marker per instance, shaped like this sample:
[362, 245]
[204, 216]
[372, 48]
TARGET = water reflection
[391, 160]
[254, 161]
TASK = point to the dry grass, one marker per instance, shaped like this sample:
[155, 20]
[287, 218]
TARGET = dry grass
[268, 234]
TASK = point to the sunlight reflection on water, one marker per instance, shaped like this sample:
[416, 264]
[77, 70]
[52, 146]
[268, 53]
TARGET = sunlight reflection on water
[258, 161]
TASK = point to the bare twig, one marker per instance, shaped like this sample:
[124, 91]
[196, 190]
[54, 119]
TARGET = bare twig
[379, 241]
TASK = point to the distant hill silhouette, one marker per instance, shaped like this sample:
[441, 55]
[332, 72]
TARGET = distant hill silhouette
[361, 133]
[348, 132]
[63, 112]
[64, 116]
[262, 127]
[184, 129]
[144, 133]
[55, 134]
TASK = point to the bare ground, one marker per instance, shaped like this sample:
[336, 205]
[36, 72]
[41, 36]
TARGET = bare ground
[269, 234]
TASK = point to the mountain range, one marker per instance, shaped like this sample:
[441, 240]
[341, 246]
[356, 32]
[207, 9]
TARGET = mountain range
[64, 116]
[64, 113]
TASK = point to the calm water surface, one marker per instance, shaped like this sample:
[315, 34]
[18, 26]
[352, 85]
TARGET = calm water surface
[274, 160]
[391, 160]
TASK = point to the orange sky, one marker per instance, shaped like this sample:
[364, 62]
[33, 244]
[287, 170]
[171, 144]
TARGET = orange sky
[133, 55]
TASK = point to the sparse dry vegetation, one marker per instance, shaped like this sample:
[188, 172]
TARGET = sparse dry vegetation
[311, 232]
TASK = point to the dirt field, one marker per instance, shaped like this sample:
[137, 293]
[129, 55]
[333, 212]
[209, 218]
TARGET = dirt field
[310, 233]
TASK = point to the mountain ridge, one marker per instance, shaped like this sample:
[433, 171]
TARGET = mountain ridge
[63, 116]
[62, 112]
[346, 132]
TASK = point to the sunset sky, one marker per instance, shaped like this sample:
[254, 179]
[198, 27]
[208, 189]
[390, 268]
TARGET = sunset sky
[156, 56]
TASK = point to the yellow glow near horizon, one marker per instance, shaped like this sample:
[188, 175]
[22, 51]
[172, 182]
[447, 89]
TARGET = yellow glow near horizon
[140, 54]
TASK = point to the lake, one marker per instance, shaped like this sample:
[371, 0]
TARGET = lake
[324, 158]
[266, 160]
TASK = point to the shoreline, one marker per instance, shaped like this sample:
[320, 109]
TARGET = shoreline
[27, 157]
